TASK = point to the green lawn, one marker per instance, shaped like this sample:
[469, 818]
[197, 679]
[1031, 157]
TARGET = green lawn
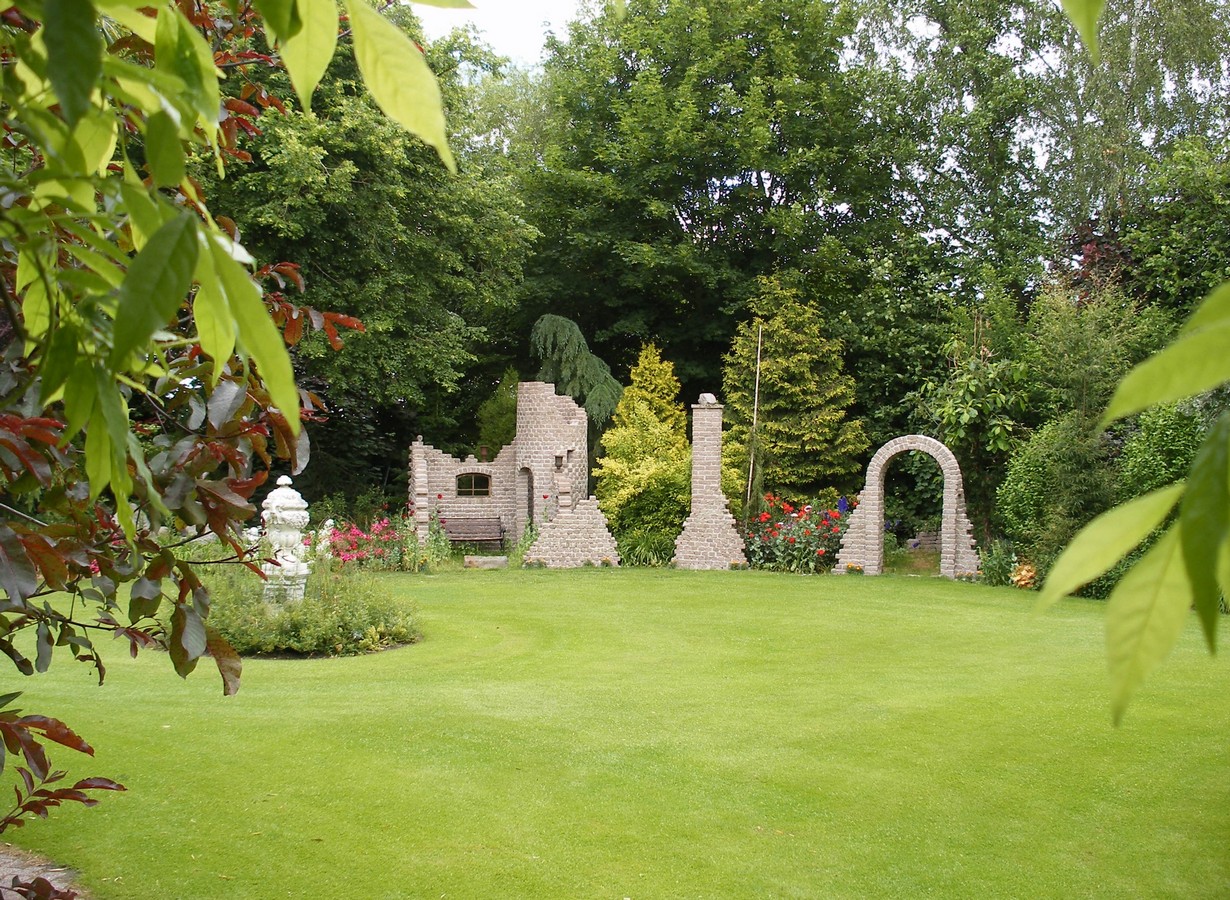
[654, 734]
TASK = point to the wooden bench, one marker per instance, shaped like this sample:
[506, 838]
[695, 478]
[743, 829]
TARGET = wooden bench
[462, 530]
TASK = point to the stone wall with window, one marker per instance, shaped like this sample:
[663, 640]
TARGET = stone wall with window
[544, 469]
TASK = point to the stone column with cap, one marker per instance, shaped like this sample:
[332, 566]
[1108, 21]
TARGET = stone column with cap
[710, 538]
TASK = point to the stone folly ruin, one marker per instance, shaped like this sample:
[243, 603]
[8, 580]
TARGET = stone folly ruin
[710, 538]
[541, 479]
[862, 546]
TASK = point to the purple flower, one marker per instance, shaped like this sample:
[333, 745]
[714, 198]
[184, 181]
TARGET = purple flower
[843, 505]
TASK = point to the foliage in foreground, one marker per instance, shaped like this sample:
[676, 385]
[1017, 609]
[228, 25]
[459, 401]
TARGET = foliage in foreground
[344, 611]
[1189, 565]
[146, 379]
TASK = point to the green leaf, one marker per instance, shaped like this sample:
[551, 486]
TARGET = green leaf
[97, 455]
[307, 53]
[1213, 309]
[398, 77]
[282, 17]
[1084, 15]
[58, 361]
[1194, 363]
[1106, 540]
[79, 398]
[144, 599]
[163, 151]
[447, 4]
[144, 215]
[188, 639]
[74, 54]
[1145, 616]
[180, 50]
[1205, 522]
[155, 286]
[257, 333]
[43, 647]
[215, 325]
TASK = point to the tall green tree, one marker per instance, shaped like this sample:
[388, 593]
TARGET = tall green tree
[428, 262]
[1176, 237]
[794, 421]
[693, 147]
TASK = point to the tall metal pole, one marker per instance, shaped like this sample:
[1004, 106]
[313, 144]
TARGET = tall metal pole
[751, 438]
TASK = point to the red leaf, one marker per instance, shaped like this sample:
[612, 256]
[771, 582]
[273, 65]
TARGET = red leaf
[239, 106]
[230, 666]
[46, 556]
[293, 332]
[331, 333]
[55, 730]
[17, 574]
[99, 784]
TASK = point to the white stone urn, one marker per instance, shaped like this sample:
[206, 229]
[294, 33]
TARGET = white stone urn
[285, 516]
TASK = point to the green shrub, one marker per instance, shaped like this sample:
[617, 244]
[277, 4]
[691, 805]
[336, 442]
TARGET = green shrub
[645, 547]
[998, 562]
[1057, 481]
[343, 612]
[1162, 448]
[644, 476]
[516, 553]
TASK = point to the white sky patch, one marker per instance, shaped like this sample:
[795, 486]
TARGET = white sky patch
[514, 28]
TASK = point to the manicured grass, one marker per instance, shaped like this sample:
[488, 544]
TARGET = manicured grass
[655, 734]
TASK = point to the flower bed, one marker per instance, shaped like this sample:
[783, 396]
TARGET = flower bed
[789, 537]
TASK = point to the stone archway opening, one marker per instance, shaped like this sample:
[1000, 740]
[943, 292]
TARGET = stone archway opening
[913, 497]
[862, 547]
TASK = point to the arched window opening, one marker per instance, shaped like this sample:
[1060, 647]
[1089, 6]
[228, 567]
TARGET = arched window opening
[473, 484]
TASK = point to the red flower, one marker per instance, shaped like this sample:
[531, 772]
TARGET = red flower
[764, 517]
[546, 496]
[836, 530]
[807, 532]
[439, 496]
[790, 540]
[787, 508]
[820, 552]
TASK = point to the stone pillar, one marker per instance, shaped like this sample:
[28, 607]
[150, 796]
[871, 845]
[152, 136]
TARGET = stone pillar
[420, 501]
[285, 516]
[710, 538]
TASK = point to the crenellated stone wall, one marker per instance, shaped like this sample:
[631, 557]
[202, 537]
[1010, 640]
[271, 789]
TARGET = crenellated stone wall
[534, 479]
[863, 543]
[710, 538]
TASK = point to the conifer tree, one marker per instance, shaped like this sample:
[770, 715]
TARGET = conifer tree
[568, 363]
[653, 381]
[644, 476]
[803, 439]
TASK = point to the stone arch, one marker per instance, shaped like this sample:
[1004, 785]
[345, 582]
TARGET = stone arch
[863, 543]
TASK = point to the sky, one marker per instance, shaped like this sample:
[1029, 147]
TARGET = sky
[515, 28]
